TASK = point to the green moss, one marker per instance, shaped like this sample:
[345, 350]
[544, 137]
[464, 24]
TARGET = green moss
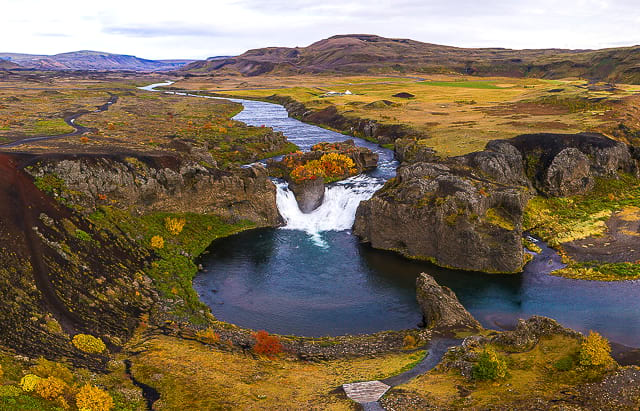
[82, 235]
[51, 127]
[50, 184]
[482, 84]
[173, 267]
[496, 217]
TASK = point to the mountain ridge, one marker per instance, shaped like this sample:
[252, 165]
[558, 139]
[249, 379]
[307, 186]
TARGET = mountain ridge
[90, 60]
[370, 54]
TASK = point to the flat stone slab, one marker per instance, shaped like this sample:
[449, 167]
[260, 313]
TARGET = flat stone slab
[365, 392]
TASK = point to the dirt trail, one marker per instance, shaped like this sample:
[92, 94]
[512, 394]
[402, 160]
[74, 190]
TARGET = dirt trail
[70, 120]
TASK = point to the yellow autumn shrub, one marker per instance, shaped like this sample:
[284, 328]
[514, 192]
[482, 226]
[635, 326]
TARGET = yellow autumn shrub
[208, 336]
[50, 388]
[174, 225]
[595, 351]
[45, 368]
[157, 242]
[28, 382]
[93, 398]
[88, 343]
[409, 342]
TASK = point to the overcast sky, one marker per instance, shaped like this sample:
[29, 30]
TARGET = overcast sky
[199, 29]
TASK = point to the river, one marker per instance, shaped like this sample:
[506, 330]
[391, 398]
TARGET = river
[312, 277]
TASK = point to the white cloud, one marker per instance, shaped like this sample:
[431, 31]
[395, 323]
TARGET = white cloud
[198, 29]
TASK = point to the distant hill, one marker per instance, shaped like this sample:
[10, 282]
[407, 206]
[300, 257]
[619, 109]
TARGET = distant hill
[7, 65]
[91, 60]
[364, 53]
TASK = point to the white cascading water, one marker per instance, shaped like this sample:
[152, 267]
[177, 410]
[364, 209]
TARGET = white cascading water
[338, 209]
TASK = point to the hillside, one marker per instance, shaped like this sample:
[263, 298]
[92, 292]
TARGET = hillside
[362, 53]
[7, 65]
[90, 60]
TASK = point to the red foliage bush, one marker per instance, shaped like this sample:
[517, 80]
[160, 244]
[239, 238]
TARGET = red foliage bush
[266, 344]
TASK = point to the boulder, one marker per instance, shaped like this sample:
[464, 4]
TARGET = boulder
[440, 306]
[309, 194]
[527, 333]
[569, 174]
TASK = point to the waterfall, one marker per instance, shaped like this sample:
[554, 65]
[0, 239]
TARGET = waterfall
[337, 211]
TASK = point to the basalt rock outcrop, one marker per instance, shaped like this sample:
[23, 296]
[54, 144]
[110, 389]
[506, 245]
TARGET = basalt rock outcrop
[309, 194]
[525, 337]
[466, 212]
[568, 164]
[440, 307]
[447, 213]
[172, 184]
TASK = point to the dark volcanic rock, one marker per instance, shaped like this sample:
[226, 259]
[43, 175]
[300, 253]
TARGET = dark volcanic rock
[466, 212]
[309, 194]
[564, 164]
[170, 184]
[440, 306]
[527, 333]
[568, 174]
[446, 213]
[403, 94]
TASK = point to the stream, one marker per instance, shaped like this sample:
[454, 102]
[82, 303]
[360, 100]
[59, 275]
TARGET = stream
[312, 277]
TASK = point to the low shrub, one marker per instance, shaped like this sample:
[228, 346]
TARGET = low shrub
[266, 344]
[208, 336]
[409, 342]
[45, 368]
[10, 391]
[157, 242]
[489, 366]
[88, 343]
[50, 388]
[93, 398]
[595, 351]
[174, 225]
[28, 382]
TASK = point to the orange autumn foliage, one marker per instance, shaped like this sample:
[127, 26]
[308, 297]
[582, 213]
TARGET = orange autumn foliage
[268, 345]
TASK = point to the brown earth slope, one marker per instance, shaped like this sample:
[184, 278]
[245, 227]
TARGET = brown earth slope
[364, 53]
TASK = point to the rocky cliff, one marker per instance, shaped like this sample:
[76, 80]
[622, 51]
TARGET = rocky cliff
[466, 212]
[173, 184]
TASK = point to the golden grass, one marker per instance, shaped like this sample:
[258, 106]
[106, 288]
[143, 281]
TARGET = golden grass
[450, 111]
[540, 213]
[629, 213]
[190, 375]
[531, 375]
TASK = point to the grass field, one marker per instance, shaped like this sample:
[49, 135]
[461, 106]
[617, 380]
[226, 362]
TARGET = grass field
[455, 114]
[190, 375]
